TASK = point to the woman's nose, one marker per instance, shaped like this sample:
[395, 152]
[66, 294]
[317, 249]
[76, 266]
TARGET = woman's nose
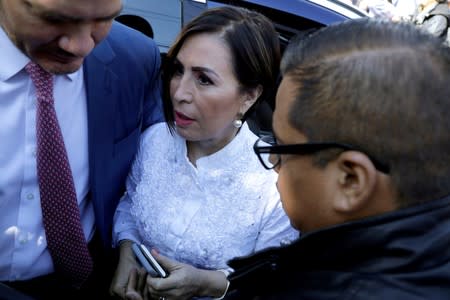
[181, 89]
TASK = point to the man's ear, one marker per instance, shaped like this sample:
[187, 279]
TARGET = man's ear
[356, 176]
[250, 98]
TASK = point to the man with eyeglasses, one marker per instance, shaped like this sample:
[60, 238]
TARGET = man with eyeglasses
[361, 145]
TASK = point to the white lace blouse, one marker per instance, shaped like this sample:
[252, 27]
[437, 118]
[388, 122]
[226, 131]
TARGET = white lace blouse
[226, 206]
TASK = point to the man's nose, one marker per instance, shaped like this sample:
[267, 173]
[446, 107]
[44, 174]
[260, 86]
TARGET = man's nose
[78, 39]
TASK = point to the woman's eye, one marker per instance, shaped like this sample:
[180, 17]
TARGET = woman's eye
[204, 80]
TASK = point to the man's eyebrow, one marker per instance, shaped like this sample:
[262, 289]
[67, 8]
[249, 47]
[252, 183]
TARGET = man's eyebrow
[38, 10]
[56, 16]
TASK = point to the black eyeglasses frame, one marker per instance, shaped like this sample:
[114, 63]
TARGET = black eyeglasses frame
[306, 149]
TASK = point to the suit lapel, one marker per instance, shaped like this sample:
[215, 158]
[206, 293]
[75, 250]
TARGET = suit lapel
[100, 81]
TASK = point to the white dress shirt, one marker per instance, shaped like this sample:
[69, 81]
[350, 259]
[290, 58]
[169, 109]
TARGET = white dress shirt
[23, 253]
[225, 206]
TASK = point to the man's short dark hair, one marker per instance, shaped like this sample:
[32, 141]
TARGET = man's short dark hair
[383, 87]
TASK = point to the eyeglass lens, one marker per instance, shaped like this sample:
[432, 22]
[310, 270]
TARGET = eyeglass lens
[270, 160]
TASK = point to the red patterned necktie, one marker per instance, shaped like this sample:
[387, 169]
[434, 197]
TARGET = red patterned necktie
[60, 211]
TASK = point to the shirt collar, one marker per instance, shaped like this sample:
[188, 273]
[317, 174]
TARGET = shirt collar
[12, 60]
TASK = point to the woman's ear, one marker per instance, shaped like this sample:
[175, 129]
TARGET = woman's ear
[250, 98]
[356, 182]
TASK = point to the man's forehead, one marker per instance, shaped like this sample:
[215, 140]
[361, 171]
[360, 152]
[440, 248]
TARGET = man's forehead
[77, 10]
[284, 99]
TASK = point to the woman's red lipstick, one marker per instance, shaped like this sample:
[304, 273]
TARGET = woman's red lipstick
[182, 120]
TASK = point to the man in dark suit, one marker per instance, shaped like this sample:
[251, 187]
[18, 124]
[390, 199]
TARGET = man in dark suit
[105, 89]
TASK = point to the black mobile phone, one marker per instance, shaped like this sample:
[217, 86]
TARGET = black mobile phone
[148, 261]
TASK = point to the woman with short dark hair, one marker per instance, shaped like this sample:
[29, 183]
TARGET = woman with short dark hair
[197, 192]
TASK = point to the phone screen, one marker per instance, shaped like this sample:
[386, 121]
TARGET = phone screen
[148, 261]
[156, 266]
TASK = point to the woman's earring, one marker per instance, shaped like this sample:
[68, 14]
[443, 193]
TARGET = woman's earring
[237, 123]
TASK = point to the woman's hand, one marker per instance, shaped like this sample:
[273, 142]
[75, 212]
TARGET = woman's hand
[184, 281]
[127, 263]
[136, 285]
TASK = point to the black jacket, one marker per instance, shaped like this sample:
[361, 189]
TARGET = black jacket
[399, 255]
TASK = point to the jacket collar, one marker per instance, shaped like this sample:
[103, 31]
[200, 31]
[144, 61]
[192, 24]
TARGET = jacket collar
[413, 238]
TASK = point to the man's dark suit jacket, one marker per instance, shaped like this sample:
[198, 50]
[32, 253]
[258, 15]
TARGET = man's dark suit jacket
[123, 98]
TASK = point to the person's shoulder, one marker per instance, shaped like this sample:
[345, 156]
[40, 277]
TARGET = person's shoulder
[157, 132]
[157, 141]
[120, 31]
[253, 168]
[125, 40]
[129, 53]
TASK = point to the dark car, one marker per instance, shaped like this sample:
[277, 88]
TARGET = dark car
[291, 17]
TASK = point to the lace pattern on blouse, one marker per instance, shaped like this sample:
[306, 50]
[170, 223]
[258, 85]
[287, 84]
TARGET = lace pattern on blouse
[202, 215]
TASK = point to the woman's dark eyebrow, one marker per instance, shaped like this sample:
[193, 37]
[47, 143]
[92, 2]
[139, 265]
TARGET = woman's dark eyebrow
[205, 70]
[176, 61]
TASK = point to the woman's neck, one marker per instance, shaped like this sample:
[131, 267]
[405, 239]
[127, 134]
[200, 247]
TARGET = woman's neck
[199, 149]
